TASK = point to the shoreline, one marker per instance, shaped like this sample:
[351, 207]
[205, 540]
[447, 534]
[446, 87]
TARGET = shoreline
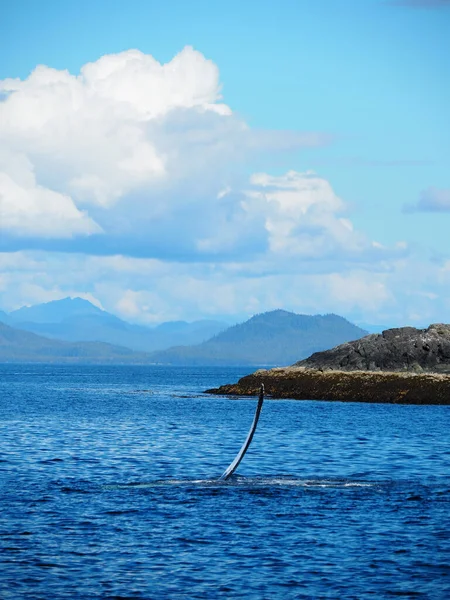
[302, 383]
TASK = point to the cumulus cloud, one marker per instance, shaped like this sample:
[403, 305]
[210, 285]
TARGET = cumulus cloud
[92, 128]
[303, 215]
[148, 155]
[290, 217]
[26, 207]
[431, 200]
[134, 175]
[130, 146]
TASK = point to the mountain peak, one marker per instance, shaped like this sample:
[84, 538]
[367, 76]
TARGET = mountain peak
[274, 337]
[54, 311]
[73, 301]
[272, 316]
[284, 318]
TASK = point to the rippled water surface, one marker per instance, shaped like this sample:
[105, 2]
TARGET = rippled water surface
[108, 489]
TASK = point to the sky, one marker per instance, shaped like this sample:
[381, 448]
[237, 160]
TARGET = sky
[194, 159]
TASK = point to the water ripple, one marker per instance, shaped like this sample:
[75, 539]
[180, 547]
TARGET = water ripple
[109, 489]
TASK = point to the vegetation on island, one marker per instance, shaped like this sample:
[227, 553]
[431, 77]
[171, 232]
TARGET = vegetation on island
[277, 337]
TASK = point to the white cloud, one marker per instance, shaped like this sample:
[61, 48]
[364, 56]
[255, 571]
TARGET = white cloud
[27, 208]
[148, 155]
[136, 143]
[32, 278]
[359, 289]
[93, 126]
[303, 216]
[409, 291]
[296, 216]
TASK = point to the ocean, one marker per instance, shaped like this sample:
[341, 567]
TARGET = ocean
[109, 489]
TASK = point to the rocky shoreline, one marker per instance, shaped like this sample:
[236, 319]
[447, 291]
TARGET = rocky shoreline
[302, 383]
[399, 366]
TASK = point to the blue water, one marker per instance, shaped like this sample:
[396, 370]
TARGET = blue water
[108, 490]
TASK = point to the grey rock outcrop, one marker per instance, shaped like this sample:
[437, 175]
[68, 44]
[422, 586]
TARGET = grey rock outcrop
[402, 349]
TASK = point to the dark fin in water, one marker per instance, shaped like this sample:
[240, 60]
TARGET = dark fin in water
[234, 465]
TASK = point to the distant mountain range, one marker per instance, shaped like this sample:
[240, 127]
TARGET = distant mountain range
[273, 338]
[78, 320]
[76, 330]
[17, 345]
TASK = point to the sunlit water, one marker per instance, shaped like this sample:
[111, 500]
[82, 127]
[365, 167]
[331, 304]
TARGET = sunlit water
[108, 489]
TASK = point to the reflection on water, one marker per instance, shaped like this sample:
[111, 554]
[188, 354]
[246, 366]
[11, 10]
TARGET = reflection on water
[109, 488]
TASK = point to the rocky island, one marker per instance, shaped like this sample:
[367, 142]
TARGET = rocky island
[403, 365]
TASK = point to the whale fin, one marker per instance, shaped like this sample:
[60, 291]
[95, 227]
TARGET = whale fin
[240, 455]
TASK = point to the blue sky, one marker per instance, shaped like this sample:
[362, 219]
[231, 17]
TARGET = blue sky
[188, 192]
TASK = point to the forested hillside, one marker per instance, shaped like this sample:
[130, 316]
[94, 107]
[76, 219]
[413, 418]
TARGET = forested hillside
[22, 346]
[274, 338]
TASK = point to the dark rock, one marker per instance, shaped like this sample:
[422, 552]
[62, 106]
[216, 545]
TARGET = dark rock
[401, 349]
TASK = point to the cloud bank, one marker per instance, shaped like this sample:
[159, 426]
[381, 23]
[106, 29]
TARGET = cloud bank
[150, 291]
[126, 155]
[130, 184]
